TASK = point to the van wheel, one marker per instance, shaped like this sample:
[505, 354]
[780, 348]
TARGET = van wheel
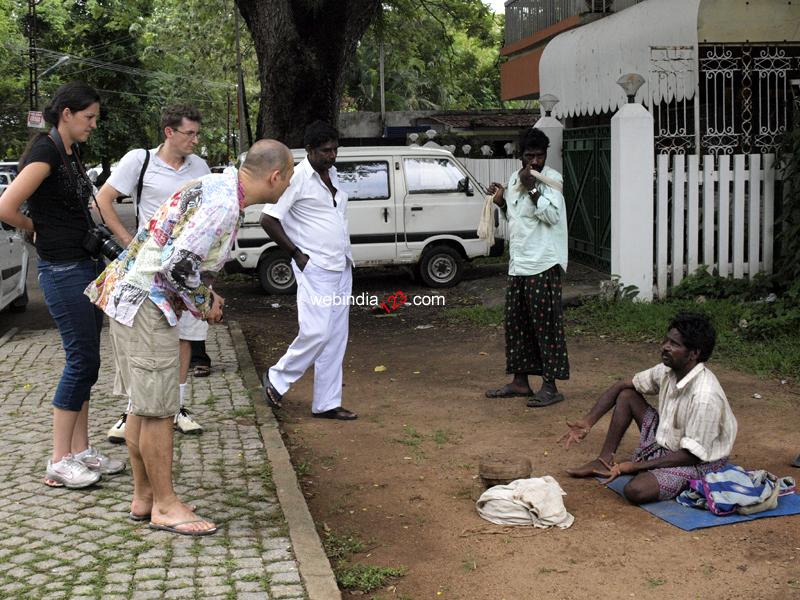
[275, 273]
[21, 303]
[441, 267]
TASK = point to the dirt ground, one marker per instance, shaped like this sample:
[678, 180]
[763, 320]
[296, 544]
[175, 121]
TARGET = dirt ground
[403, 477]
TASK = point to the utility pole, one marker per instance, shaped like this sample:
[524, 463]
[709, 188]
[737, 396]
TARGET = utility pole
[242, 109]
[33, 89]
[383, 88]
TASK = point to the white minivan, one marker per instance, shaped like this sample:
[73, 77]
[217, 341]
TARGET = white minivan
[13, 269]
[406, 206]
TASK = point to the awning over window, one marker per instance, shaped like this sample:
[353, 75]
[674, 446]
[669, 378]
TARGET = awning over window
[581, 66]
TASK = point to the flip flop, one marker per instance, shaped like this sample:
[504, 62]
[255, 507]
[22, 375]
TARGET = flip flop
[340, 413]
[504, 392]
[271, 395]
[541, 399]
[174, 528]
[202, 371]
[146, 517]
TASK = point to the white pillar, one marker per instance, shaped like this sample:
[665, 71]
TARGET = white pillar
[632, 167]
[554, 130]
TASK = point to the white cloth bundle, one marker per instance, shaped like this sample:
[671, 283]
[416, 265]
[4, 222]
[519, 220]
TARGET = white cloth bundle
[536, 501]
[486, 225]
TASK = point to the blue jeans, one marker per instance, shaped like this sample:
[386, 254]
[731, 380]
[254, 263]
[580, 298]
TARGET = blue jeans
[79, 322]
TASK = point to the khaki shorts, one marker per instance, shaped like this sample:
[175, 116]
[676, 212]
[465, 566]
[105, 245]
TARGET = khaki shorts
[146, 357]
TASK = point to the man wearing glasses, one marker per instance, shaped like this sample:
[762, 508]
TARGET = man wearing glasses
[159, 173]
[309, 222]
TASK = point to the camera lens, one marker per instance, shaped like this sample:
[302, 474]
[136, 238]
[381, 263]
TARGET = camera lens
[110, 249]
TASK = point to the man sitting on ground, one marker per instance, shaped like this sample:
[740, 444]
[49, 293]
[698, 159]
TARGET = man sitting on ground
[690, 435]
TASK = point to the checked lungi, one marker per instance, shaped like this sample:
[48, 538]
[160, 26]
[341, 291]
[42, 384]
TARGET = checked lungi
[671, 480]
[535, 341]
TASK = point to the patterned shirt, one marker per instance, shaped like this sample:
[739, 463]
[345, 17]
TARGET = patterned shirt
[538, 232]
[694, 413]
[172, 260]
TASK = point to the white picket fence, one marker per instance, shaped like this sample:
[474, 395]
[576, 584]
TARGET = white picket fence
[717, 216]
[487, 170]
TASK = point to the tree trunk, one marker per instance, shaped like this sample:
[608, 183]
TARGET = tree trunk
[303, 47]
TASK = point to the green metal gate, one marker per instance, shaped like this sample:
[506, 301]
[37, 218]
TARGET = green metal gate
[587, 191]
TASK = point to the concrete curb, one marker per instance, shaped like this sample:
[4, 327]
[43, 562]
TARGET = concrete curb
[8, 335]
[315, 569]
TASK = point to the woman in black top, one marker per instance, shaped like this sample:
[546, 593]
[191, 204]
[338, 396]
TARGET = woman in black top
[58, 193]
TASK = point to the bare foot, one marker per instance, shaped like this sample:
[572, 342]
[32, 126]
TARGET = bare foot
[594, 468]
[181, 519]
[142, 507]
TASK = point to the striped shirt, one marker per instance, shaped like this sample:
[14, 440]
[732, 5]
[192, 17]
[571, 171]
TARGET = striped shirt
[694, 413]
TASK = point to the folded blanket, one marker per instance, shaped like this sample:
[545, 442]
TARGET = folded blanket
[733, 489]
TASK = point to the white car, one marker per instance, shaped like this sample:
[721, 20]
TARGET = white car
[6, 177]
[406, 205]
[13, 270]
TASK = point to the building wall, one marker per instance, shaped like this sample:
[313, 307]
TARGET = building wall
[519, 75]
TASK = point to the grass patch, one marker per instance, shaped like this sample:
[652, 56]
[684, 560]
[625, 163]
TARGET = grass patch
[646, 322]
[655, 582]
[339, 547]
[247, 411]
[469, 565]
[365, 578]
[476, 315]
[441, 437]
[303, 469]
[413, 439]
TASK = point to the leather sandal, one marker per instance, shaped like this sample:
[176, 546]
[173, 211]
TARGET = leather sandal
[339, 413]
[271, 395]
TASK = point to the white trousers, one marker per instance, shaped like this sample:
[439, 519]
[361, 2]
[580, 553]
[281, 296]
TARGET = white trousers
[323, 313]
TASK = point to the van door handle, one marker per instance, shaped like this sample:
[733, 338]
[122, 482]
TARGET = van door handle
[385, 215]
[415, 208]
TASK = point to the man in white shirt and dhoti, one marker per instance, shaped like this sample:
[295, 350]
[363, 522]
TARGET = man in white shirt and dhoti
[692, 432]
[309, 222]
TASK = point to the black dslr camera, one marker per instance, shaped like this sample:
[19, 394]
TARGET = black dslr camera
[99, 241]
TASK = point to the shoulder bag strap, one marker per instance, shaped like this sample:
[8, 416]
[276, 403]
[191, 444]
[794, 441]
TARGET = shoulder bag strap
[140, 184]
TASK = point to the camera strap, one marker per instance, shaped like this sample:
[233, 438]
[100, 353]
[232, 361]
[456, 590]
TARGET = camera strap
[55, 137]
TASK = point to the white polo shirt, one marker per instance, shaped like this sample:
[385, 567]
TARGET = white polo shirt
[693, 413]
[310, 219]
[160, 179]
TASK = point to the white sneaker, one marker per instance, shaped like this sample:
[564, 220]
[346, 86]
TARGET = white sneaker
[185, 424]
[100, 463]
[116, 435]
[70, 473]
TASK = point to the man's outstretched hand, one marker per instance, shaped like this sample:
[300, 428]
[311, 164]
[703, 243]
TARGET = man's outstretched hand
[575, 434]
[617, 469]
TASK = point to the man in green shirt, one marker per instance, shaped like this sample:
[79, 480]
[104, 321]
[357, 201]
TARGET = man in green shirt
[537, 220]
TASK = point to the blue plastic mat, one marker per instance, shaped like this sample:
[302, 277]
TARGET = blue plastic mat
[689, 519]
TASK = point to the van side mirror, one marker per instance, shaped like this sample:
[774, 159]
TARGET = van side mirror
[465, 187]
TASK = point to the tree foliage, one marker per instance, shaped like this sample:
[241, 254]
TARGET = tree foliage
[437, 55]
[305, 59]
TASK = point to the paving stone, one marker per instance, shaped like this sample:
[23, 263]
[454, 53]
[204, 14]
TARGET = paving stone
[216, 470]
[286, 591]
[286, 577]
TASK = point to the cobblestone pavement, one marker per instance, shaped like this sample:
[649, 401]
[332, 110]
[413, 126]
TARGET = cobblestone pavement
[79, 544]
